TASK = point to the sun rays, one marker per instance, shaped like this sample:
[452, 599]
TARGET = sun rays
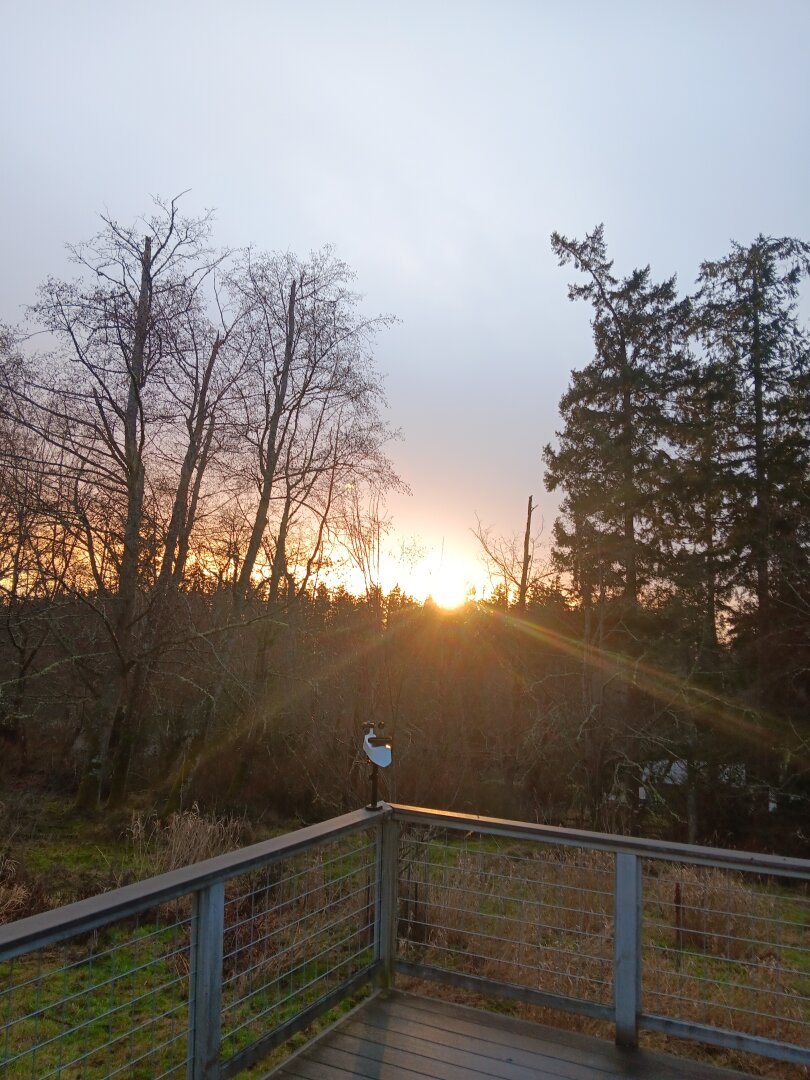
[667, 689]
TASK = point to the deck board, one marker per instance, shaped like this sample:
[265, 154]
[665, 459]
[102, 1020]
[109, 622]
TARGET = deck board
[406, 1037]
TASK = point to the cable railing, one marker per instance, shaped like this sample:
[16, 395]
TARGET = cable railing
[702, 943]
[197, 973]
[202, 972]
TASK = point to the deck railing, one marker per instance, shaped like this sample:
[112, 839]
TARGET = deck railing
[203, 971]
[702, 943]
[198, 972]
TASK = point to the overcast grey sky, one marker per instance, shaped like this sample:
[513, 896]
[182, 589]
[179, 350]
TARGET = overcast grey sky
[436, 145]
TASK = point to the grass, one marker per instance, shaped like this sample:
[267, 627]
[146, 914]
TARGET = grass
[124, 1005]
[737, 951]
[511, 917]
[80, 1010]
[49, 856]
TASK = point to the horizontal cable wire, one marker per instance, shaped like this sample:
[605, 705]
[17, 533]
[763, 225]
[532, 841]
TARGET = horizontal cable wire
[726, 984]
[738, 879]
[90, 989]
[297, 993]
[131, 943]
[556, 886]
[509, 941]
[295, 946]
[285, 1000]
[725, 1005]
[285, 927]
[747, 916]
[306, 872]
[544, 858]
[674, 951]
[287, 973]
[127, 1064]
[104, 1016]
[487, 915]
[698, 931]
[520, 964]
[524, 901]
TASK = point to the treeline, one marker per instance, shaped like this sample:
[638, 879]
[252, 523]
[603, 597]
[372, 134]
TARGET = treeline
[193, 450]
[202, 429]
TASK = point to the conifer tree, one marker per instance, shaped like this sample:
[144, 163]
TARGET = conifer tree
[608, 460]
[750, 324]
[693, 508]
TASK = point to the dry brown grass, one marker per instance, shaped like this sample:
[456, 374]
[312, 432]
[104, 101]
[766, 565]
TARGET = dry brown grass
[708, 910]
[182, 839]
[512, 917]
[14, 895]
[730, 951]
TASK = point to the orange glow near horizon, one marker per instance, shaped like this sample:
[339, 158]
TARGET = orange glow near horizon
[448, 581]
[449, 594]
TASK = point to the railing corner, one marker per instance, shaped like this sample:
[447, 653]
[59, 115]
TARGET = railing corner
[386, 914]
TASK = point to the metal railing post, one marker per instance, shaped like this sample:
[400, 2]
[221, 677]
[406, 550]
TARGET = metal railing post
[627, 948]
[205, 983]
[386, 909]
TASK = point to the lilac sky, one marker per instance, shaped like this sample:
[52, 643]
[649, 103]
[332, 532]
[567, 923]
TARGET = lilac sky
[436, 145]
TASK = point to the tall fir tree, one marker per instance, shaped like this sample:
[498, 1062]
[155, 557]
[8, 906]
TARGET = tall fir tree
[693, 507]
[750, 324]
[609, 459]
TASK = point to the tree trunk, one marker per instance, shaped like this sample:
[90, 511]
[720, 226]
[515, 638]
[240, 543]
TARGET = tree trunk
[524, 575]
[631, 579]
[761, 493]
[241, 590]
[133, 453]
[710, 643]
[270, 461]
[115, 701]
[279, 566]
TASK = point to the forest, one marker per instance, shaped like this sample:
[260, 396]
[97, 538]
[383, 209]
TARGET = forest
[194, 452]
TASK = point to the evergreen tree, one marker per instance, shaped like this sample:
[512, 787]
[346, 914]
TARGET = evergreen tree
[609, 459]
[609, 464]
[693, 508]
[750, 324]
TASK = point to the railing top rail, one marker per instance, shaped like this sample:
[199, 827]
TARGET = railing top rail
[49, 927]
[648, 849]
[52, 926]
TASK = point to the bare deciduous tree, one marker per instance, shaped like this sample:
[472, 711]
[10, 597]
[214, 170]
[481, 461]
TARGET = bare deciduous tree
[510, 561]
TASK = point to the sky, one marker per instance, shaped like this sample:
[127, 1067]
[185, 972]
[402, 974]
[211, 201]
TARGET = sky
[436, 145]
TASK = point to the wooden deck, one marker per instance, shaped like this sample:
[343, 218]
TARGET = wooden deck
[404, 1037]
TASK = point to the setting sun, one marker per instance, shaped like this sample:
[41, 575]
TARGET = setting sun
[450, 593]
[446, 577]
